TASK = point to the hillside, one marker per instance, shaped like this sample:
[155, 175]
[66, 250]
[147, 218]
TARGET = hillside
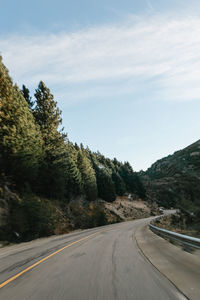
[175, 178]
[48, 184]
[174, 181]
[185, 161]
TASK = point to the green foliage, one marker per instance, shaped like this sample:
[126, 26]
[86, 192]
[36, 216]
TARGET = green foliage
[115, 178]
[53, 167]
[106, 189]
[30, 218]
[88, 176]
[87, 216]
[120, 187]
[127, 174]
[131, 180]
[20, 138]
[74, 180]
[46, 113]
[35, 153]
[27, 97]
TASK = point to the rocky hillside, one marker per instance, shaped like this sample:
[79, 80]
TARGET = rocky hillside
[175, 179]
[126, 208]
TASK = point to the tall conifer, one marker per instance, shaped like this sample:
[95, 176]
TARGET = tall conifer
[20, 138]
[48, 117]
[88, 175]
[26, 93]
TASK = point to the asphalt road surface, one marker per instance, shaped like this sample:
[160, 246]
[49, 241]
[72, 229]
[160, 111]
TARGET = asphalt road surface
[96, 264]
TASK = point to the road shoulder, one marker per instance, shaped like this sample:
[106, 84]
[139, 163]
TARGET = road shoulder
[180, 267]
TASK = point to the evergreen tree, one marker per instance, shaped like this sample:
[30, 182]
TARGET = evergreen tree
[106, 189]
[119, 184]
[76, 147]
[48, 117]
[27, 97]
[139, 187]
[20, 138]
[131, 179]
[126, 172]
[88, 176]
[74, 180]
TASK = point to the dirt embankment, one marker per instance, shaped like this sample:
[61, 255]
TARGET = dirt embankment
[125, 208]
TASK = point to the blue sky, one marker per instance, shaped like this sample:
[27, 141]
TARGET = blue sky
[125, 73]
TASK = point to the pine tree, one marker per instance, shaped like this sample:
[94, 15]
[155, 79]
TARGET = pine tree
[27, 97]
[88, 175]
[131, 179]
[74, 180]
[48, 117]
[106, 189]
[20, 138]
[119, 184]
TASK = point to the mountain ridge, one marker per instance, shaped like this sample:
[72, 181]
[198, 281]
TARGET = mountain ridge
[175, 179]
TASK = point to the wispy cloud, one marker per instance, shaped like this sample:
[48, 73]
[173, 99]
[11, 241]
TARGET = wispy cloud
[162, 49]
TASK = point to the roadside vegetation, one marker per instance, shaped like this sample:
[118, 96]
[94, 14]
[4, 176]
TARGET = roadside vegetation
[182, 222]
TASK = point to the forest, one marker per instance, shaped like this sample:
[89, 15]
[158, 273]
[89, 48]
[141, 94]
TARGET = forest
[42, 171]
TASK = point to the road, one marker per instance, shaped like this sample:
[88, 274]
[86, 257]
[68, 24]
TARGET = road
[104, 263]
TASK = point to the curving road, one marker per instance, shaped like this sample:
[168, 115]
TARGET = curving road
[104, 263]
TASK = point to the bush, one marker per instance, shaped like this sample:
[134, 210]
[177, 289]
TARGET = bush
[30, 218]
[87, 215]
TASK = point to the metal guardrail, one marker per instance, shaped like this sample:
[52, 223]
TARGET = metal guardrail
[185, 240]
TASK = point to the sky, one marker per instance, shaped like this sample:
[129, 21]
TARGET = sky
[126, 74]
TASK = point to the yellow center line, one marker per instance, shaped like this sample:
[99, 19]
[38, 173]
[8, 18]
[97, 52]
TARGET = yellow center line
[45, 258]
